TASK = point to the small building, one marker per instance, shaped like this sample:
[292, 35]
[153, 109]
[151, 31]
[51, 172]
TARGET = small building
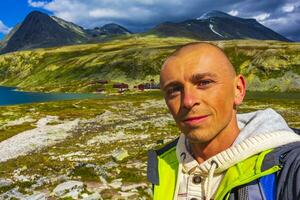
[121, 86]
[102, 81]
[141, 87]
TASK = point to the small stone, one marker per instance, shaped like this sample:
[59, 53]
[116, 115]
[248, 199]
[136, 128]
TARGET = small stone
[84, 195]
[73, 187]
[103, 180]
[127, 194]
[117, 183]
[21, 178]
[40, 182]
[73, 194]
[110, 164]
[94, 196]
[57, 179]
[5, 182]
[120, 154]
[37, 196]
[134, 186]
[12, 194]
[149, 192]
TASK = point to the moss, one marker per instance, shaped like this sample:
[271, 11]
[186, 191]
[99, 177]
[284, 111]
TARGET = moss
[86, 173]
[6, 188]
[66, 198]
[129, 175]
[10, 131]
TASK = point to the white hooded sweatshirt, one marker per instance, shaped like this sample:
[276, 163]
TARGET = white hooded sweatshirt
[259, 131]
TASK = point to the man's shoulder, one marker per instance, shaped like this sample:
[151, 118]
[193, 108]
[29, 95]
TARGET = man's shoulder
[152, 165]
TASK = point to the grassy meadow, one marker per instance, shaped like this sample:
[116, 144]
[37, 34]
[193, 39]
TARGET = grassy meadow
[267, 65]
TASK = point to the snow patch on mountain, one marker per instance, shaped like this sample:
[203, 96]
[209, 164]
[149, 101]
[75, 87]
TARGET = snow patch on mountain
[212, 29]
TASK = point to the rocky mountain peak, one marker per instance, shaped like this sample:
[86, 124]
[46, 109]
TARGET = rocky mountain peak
[214, 13]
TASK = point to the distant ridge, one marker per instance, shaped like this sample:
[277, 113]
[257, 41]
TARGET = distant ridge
[38, 30]
[217, 25]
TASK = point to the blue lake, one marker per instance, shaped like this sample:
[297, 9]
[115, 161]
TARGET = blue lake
[10, 96]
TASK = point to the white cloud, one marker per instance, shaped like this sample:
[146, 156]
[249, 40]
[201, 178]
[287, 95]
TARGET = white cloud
[105, 13]
[3, 28]
[262, 17]
[290, 7]
[140, 15]
[233, 12]
[36, 4]
[287, 23]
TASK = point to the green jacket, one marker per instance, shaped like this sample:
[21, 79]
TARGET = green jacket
[162, 172]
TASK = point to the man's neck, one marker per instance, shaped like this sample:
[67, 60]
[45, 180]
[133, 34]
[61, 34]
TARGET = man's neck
[203, 151]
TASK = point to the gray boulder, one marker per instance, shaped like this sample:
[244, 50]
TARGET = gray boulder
[69, 189]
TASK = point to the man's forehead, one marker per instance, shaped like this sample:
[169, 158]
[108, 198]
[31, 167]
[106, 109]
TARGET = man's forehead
[202, 57]
[188, 59]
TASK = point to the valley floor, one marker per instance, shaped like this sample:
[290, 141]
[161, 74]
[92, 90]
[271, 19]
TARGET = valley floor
[92, 149]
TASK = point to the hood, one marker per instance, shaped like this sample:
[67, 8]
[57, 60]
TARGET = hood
[260, 122]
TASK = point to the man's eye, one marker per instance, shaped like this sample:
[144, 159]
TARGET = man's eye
[204, 83]
[173, 90]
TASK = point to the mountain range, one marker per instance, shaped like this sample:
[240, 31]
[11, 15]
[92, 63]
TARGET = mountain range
[39, 30]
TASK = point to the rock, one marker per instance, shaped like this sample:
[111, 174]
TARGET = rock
[134, 186]
[94, 196]
[110, 164]
[69, 188]
[12, 194]
[46, 120]
[73, 194]
[40, 182]
[5, 182]
[149, 192]
[21, 178]
[127, 194]
[103, 180]
[58, 179]
[120, 154]
[37, 196]
[117, 183]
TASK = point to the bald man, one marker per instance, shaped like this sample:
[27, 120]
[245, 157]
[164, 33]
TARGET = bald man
[219, 155]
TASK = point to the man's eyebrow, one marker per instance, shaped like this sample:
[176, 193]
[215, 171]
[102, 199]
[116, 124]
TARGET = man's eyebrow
[196, 77]
[170, 84]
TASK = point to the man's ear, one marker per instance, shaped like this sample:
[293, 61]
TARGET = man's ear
[240, 90]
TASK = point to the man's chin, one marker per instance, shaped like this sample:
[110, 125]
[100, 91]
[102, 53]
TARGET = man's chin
[198, 138]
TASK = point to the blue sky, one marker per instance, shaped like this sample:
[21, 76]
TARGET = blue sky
[13, 12]
[282, 16]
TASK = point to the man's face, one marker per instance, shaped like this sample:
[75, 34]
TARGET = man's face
[199, 89]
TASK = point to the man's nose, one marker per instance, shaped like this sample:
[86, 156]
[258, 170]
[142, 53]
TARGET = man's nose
[189, 98]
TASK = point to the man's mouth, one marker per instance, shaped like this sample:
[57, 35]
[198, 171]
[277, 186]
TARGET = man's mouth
[195, 120]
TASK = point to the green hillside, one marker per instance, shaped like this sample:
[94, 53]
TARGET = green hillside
[267, 65]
